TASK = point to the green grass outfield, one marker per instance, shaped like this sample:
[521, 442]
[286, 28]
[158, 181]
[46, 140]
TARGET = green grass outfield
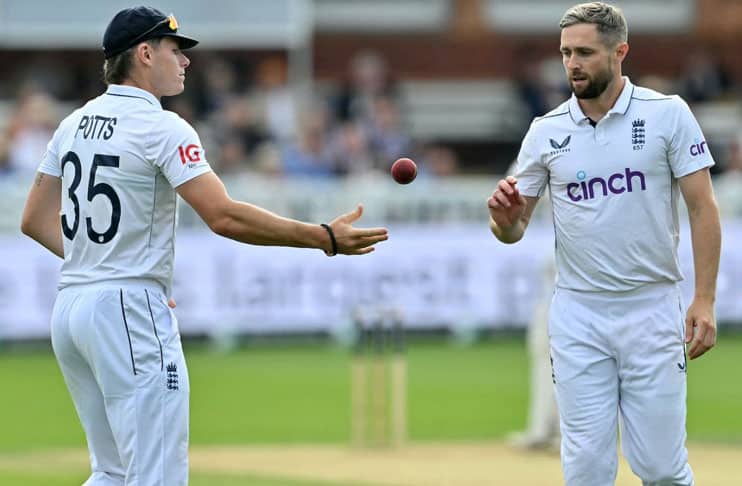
[300, 394]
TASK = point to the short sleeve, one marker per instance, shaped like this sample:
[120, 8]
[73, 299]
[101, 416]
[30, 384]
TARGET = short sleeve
[50, 163]
[688, 151]
[51, 160]
[530, 170]
[178, 151]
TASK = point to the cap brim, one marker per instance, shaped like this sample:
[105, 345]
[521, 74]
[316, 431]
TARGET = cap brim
[183, 41]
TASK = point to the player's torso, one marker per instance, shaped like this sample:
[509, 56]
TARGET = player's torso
[614, 197]
[117, 208]
[611, 173]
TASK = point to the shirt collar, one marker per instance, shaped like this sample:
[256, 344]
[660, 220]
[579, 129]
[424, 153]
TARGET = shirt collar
[619, 107]
[133, 92]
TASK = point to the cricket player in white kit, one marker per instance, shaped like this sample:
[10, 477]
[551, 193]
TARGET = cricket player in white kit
[614, 158]
[112, 170]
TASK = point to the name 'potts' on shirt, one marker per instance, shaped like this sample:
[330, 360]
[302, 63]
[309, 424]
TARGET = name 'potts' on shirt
[120, 157]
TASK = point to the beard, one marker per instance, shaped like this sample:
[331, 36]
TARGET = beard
[595, 85]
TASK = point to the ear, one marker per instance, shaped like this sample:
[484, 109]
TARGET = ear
[622, 51]
[144, 53]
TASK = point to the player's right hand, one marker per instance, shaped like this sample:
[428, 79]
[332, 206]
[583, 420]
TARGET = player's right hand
[506, 205]
[355, 241]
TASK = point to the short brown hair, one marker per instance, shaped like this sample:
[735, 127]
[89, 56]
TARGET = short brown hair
[609, 20]
[117, 68]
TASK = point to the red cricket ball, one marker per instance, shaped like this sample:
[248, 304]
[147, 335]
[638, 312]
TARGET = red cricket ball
[404, 170]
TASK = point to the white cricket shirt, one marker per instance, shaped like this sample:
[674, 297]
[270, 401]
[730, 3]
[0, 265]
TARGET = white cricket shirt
[120, 157]
[614, 187]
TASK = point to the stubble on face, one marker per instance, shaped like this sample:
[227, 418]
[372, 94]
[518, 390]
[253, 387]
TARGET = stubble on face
[594, 86]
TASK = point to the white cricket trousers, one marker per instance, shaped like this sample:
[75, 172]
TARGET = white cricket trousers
[621, 353]
[119, 350]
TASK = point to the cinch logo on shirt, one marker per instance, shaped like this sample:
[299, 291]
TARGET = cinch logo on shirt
[617, 183]
[698, 148]
[191, 153]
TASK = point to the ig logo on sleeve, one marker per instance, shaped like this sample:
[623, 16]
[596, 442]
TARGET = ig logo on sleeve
[191, 153]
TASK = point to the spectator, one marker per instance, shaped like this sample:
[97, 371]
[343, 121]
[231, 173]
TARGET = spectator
[233, 157]
[234, 132]
[351, 150]
[275, 100]
[266, 159]
[369, 77]
[704, 78]
[220, 81]
[31, 128]
[532, 87]
[439, 161]
[308, 155]
[552, 74]
[387, 137]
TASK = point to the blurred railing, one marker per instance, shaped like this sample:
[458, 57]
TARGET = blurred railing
[427, 200]
[441, 267]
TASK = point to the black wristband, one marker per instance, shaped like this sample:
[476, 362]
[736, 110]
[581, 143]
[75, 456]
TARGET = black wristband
[333, 241]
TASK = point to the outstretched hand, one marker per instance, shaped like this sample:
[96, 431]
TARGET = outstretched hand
[506, 205]
[355, 241]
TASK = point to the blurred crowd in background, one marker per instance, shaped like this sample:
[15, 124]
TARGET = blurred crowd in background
[248, 117]
[251, 118]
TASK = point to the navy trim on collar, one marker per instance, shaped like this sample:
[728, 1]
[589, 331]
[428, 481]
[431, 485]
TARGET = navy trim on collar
[130, 96]
[132, 92]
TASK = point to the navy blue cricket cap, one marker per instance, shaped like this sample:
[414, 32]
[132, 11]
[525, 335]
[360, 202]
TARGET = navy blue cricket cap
[133, 25]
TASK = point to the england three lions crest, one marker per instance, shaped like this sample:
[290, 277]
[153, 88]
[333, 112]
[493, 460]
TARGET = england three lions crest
[638, 134]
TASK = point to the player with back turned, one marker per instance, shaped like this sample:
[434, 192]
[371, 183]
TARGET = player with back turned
[615, 157]
[113, 170]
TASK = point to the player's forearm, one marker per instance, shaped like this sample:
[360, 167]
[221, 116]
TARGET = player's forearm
[510, 234]
[247, 223]
[706, 239]
[48, 234]
[40, 219]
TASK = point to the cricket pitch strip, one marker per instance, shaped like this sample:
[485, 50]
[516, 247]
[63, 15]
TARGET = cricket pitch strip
[415, 464]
